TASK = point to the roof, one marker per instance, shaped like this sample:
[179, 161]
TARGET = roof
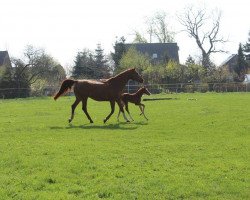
[159, 49]
[3, 55]
[228, 60]
[4, 58]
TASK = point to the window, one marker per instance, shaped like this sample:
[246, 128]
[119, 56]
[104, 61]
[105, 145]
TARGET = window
[154, 55]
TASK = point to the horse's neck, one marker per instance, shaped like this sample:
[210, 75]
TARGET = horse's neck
[119, 80]
[139, 93]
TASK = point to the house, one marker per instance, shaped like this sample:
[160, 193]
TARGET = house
[230, 62]
[4, 59]
[247, 79]
[157, 51]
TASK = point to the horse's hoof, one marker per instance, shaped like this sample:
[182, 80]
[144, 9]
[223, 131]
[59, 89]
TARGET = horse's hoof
[128, 121]
[70, 120]
[91, 122]
[104, 121]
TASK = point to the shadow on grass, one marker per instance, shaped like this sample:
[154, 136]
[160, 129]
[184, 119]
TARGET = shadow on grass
[140, 123]
[120, 125]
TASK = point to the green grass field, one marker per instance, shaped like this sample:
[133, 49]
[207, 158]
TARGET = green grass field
[189, 149]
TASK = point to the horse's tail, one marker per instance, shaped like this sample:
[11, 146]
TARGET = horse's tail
[66, 85]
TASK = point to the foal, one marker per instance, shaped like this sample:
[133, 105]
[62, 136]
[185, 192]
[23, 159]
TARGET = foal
[136, 99]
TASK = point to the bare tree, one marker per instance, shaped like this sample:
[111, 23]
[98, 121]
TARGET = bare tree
[150, 29]
[196, 23]
[139, 38]
[161, 28]
[157, 27]
[36, 65]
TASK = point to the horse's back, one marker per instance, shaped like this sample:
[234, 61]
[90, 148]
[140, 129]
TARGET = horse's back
[94, 89]
[90, 82]
[89, 86]
[132, 98]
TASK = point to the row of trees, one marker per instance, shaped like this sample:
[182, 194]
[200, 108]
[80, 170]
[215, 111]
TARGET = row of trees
[91, 65]
[171, 71]
[37, 71]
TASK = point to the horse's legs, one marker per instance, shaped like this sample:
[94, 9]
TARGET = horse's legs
[112, 104]
[120, 104]
[142, 107]
[118, 115]
[84, 108]
[73, 107]
[126, 108]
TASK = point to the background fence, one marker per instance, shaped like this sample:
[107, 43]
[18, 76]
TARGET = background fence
[153, 88]
[192, 87]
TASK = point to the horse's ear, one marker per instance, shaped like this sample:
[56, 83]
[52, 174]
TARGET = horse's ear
[133, 69]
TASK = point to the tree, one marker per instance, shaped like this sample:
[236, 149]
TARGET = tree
[223, 75]
[150, 29]
[160, 28]
[151, 73]
[194, 72]
[176, 73]
[36, 64]
[5, 82]
[155, 74]
[241, 66]
[157, 27]
[119, 50]
[196, 23]
[31, 62]
[58, 73]
[102, 68]
[247, 45]
[50, 69]
[133, 58]
[246, 50]
[77, 70]
[36, 68]
[84, 65]
[139, 38]
[21, 78]
[39, 65]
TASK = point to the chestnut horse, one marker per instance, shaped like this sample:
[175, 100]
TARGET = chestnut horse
[105, 90]
[136, 99]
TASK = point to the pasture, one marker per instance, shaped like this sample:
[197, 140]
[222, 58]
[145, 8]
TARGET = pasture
[193, 147]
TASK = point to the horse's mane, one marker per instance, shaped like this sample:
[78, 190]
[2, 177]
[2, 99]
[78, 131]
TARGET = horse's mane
[114, 77]
[138, 91]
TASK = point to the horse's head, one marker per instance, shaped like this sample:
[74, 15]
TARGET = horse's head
[133, 74]
[145, 91]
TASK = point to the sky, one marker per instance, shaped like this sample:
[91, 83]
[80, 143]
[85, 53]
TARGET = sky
[65, 27]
